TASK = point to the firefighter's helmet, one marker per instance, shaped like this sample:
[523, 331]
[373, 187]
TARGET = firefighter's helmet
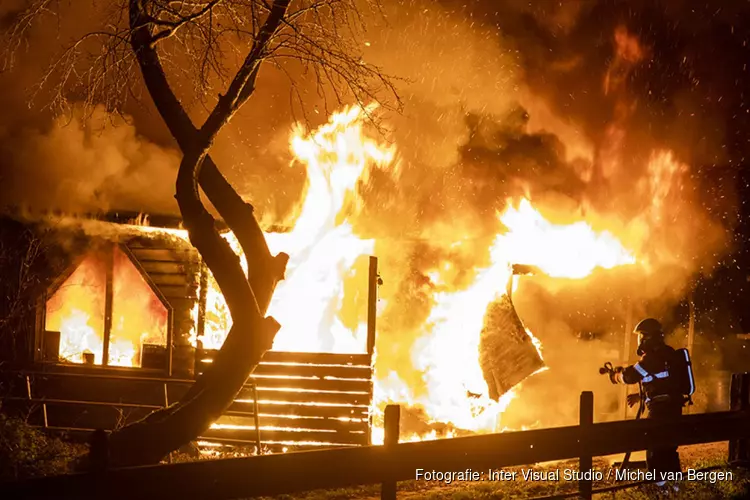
[649, 327]
[650, 335]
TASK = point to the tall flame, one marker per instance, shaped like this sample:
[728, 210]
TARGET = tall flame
[323, 248]
[578, 249]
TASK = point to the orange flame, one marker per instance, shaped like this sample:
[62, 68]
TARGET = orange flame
[447, 353]
[77, 311]
[323, 248]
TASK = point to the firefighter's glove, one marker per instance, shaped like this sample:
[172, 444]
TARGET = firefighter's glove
[613, 373]
[633, 399]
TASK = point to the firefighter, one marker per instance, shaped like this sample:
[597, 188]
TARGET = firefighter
[663, 398]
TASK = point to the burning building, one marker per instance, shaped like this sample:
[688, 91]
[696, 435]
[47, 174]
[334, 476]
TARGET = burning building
[126, 316]
[129, 311]
[466, 339]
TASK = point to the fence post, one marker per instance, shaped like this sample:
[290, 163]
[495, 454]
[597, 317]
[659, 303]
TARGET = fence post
[391, 428]
[586, 419]
[739, 393]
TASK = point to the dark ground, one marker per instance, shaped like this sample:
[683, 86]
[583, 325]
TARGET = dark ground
[696, 456]
[26, 452]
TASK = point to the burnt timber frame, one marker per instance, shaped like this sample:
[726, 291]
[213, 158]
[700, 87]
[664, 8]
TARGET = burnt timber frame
[108, 299]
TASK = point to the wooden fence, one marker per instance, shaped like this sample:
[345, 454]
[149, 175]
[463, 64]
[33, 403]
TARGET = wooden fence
[342, 467]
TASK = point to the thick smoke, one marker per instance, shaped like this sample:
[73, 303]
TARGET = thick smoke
[83, 166]
[612, 112]
[590, 116]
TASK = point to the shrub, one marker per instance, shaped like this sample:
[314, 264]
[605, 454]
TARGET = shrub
[28, 452]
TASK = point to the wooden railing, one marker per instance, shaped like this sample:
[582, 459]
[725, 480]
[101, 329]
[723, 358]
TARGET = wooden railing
[299, 400]
[342, 467]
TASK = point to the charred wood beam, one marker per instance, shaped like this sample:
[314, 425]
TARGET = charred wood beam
[108, 299]
[337, 468]
[372, 304]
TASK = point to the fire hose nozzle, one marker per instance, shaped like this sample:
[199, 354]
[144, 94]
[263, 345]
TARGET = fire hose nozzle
[607, 368]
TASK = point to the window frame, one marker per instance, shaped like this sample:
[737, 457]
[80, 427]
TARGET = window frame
[108, 250]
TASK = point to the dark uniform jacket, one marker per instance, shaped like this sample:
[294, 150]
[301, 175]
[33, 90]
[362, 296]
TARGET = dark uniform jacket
[652, 370]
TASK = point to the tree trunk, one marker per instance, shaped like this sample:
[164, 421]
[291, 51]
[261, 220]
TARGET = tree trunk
[151, 439]
[264, 270]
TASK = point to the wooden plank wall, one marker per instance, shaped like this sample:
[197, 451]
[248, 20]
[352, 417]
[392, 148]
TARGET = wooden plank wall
[173, 266]
[305, 400]
[173, 269]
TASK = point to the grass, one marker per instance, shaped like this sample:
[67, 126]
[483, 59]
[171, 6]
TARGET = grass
[694, 457]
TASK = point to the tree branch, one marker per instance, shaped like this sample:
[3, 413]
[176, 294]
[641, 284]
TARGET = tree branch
[243, 84]
[173, 26]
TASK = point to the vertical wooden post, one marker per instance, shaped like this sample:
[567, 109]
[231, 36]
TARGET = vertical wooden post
[372, 312]
[170, 340]
[586, 419]
[392, 428]
[108, 298]
[739, 449]
[200, 328]
[372, 304]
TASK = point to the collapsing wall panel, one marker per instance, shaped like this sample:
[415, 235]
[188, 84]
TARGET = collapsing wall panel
[506, 353]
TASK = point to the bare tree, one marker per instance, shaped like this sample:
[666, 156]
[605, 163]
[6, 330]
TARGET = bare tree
[151, 37]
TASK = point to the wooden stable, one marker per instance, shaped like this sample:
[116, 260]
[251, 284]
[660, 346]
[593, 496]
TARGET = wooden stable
[293, 400]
